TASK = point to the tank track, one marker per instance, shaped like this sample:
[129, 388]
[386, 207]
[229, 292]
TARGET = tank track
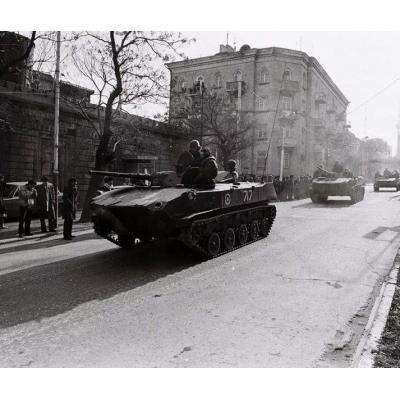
[213, 224]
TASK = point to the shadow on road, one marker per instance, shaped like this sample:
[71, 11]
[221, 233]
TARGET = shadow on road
[39, 243]
[55, 288]
[326, 204]
[374, 234]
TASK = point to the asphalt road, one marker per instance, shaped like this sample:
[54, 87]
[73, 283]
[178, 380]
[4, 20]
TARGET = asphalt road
[299, 298]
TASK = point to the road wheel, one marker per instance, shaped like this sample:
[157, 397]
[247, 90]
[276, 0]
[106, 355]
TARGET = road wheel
[213, 244]
[125, 241]
[243, 234]
[376, 189]
[254, 230]
[265, 226]
[229, 238]
[323, 199]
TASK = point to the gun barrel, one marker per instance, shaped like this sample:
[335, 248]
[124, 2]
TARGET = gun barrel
[122, 174]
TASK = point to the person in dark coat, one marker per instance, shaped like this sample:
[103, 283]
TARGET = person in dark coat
[3, 211]
[27, 195]
[69, 207]
[46, 204]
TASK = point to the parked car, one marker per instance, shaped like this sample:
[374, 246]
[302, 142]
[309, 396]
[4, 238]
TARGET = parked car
[12, 201]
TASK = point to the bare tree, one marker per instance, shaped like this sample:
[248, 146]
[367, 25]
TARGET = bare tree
[216, 119]
[125, 69]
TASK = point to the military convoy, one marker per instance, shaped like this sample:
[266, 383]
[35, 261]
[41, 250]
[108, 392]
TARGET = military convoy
[210, 221]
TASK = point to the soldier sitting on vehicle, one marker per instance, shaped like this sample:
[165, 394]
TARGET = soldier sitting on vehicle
[387, 173]
[338, 167]
[202, 176]
[232, 175]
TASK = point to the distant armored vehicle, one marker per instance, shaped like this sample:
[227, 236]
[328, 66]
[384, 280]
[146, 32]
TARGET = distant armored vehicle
[323, 187]
[210, 221]
[382, 182]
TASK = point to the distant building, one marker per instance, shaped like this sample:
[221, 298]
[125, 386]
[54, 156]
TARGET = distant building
[293, 100]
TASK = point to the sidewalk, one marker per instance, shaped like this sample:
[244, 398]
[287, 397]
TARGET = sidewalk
[12, 228]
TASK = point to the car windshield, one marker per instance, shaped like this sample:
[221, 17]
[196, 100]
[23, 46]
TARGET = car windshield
[10, 190]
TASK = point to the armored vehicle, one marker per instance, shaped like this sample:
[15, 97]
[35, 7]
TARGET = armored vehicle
[386, 183]
[211, 221]
[323, 187]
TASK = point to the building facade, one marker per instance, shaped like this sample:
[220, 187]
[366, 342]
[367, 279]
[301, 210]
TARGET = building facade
[293, 102]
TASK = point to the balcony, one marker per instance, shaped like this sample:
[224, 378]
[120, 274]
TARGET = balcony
[233, 87]
[320, 99]
[289, 88]
[289, 143]
[287, 117]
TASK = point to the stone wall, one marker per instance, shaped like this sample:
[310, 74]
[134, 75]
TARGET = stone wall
[26, 140]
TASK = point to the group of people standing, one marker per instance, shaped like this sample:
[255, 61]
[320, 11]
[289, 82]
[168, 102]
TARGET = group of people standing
[41, 198]
[292, 188]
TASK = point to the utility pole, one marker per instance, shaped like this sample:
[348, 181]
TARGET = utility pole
[56, 123]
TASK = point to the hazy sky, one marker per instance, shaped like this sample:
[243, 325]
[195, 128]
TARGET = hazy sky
[360, 63]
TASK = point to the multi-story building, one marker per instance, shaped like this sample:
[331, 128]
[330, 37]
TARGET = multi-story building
[293, 102]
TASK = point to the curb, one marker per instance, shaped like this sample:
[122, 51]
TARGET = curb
[364, 355]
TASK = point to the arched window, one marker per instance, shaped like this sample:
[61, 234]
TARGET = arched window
[218, 80]
[287, 74]
[263, 76]
[200, 79]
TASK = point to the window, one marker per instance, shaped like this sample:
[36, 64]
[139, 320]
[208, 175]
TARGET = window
[261, 155]
[261, 104]
[286, 103]
[183, 86]
[263, 76]
[286, 132]
[286, 160]
[287, 74]
[261, 132]
[218, 80]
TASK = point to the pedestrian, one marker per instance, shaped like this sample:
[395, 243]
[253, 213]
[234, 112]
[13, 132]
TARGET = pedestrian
[290, 187]
[69, 207]
[46, 204]
[3, 211]
[284, 191]
[27, 195]
[297, 188]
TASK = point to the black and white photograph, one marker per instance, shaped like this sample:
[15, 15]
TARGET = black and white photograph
[205, 199]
